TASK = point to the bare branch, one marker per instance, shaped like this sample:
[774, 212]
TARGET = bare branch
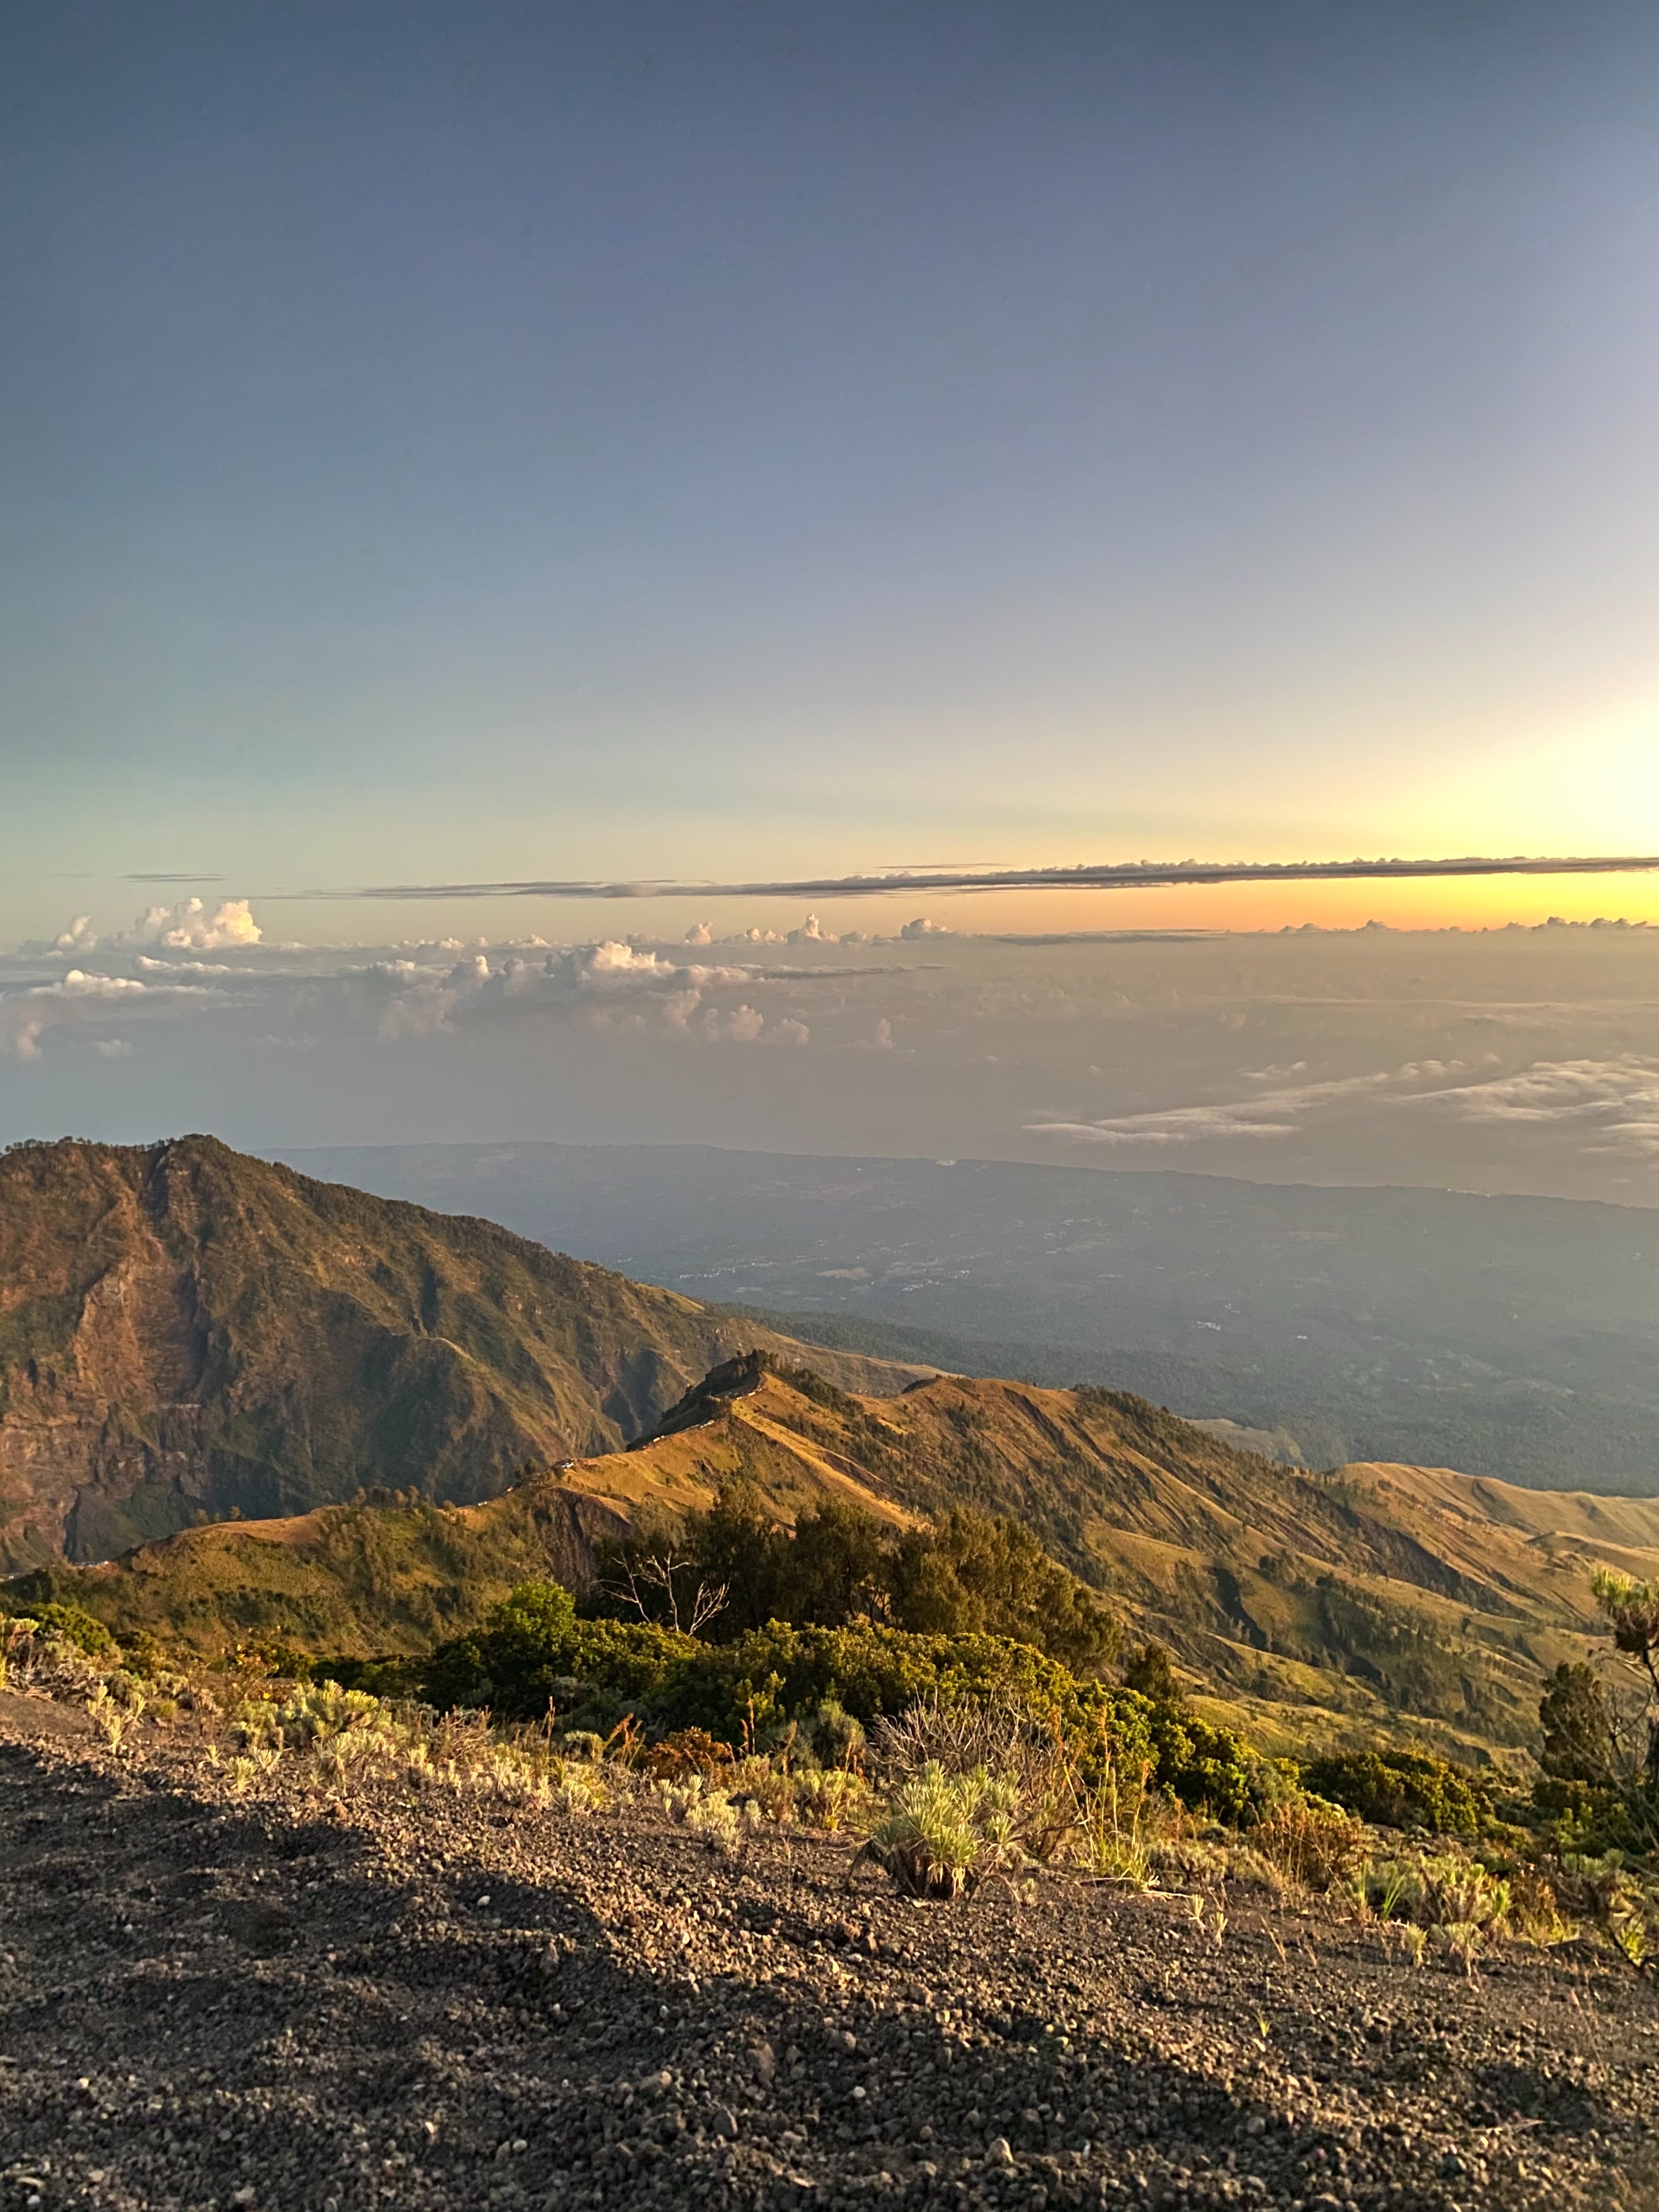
[657, 1571]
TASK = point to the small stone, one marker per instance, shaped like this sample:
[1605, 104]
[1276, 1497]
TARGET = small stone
[725, 2122]
[997, 2152]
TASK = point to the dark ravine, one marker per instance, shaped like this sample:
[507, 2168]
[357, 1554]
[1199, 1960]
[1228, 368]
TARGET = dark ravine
[187, 1330]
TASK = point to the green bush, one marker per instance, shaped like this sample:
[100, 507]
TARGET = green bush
[144, 1655]
[80, 1629]
[1590, 1822]
[534, 1651]
[967, 1574]
[1211, 1770]
[779, 1672]
[1402, 1789]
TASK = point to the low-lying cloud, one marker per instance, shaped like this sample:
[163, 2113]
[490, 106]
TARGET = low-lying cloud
[1616, 1102]
[1278, 1113]
[598, 981]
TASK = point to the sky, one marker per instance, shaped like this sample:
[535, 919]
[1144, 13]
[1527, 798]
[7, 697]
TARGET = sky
[539, 442]
[525, 443]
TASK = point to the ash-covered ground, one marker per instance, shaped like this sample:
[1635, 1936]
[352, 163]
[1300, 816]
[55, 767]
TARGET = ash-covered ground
[286, 2003]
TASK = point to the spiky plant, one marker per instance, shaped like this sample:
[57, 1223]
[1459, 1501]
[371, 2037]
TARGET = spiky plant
[944, 1831]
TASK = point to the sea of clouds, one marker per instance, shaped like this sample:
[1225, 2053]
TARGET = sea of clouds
[1520, 1058]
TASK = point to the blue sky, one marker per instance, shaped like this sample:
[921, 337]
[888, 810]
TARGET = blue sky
[468, 444]
[531, 440]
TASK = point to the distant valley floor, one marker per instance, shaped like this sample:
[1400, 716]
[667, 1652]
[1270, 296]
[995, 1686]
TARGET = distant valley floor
[1514, 1337]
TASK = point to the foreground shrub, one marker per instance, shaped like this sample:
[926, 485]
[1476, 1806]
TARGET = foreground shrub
[1316, 1846]
[1402, 1789]
[1435, 1891]
[315, 1713]
[943, 1832]
[831, 1798]
[1452, 1903]
[1619, 1903]
[707, 1812]
[686, 1753]
[1123, 1824]
[826, 1684]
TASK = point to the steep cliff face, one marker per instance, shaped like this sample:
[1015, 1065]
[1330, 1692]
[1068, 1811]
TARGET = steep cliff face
[185, 1330]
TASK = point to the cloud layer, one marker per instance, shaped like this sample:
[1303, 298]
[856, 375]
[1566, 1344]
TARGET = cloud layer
[1519, 1059]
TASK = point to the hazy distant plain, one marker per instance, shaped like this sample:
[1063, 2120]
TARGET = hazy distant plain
[1512, 1337]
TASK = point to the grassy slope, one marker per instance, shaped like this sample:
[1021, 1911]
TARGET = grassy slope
[1359, 1594]
[185, 1329]
[1320, 1605]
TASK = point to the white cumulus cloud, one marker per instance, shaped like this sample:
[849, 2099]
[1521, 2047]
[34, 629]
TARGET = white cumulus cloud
[741, 1026]
[192, 926]
[77, 984]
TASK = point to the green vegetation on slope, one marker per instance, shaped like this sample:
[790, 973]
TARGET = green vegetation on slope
[1343, 1607]
[393, 1574]
[187, 1330]
[780, 1683]
[1351, 1596]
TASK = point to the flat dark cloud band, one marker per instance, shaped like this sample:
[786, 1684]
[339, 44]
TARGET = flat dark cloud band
[1109, 877]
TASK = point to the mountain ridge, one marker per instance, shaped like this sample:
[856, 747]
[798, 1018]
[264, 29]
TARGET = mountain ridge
[1372, 1600]
[185, 1329]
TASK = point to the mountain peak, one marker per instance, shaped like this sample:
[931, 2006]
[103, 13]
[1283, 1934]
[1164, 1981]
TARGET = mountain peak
[187, 1331]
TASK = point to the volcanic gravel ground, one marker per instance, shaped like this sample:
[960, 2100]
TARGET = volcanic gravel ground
[283, 2003]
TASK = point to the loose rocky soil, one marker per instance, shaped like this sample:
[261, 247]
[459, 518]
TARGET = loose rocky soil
[285, 2001]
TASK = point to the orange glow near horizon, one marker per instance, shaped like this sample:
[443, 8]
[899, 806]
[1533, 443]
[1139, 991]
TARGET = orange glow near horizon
[1457, 902]
[1424, 903]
